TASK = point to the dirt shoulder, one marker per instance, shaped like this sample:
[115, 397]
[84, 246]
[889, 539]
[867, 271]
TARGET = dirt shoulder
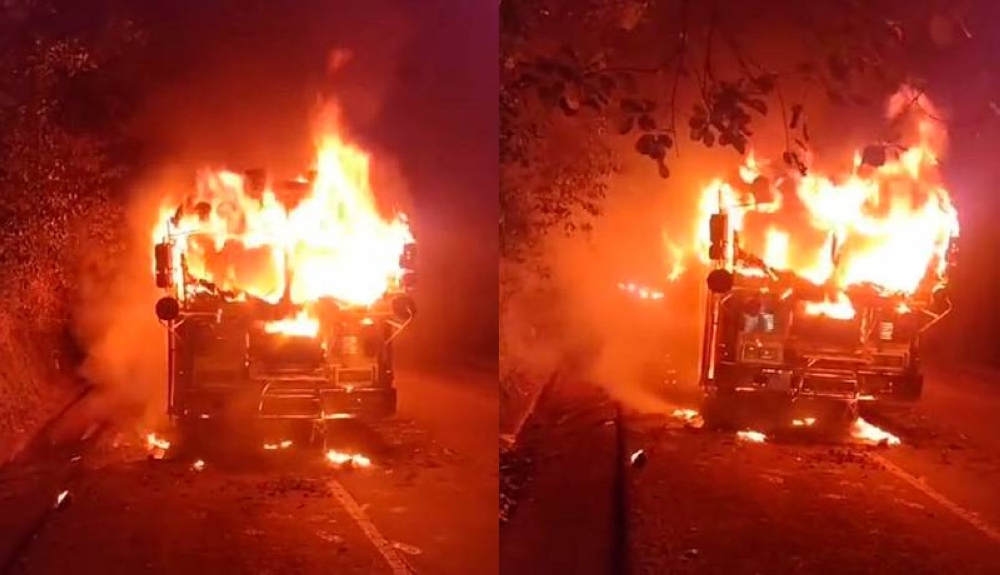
[563, 521]
[31, 393]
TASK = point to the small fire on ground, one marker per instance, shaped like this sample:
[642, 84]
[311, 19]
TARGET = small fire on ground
[751, 436]
[156, 445]
[284, 444]
[871, 434]
[344, 459]
[689, 416]
[804, 422]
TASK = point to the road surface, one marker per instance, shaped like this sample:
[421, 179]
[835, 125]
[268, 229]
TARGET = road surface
[708, 502]
[426, 505]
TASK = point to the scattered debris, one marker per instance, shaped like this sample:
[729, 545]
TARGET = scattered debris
[61, 499]
[638, 458]
[690, 554]
[405, 548]
[330, 537]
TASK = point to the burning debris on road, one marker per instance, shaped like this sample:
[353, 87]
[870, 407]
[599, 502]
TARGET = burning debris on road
[156, 445]
[347, 460]
[751, 436]
[871, 434]
[690, 417]
[284, 444]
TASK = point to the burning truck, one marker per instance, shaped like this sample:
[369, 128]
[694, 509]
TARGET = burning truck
[820, 290]
[283, 298]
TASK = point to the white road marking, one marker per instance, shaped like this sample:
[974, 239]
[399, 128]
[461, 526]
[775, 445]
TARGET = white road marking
[385, 548]
[964, 514]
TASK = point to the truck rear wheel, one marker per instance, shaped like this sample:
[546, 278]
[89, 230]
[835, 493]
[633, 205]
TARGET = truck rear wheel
[909, 388]
[719, 412]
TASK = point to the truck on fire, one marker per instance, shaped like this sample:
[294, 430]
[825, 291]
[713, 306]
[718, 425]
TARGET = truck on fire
[268, 312]
[781, 343]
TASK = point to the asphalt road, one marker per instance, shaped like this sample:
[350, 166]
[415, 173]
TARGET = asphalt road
[426, 505]
[708, 502]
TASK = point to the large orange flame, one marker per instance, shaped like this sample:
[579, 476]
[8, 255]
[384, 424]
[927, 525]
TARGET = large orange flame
[887, 225]
[322, 237]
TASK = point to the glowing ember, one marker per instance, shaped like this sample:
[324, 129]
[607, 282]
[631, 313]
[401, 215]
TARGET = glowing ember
[640, 291]
[690, 417]
[870, 434]
[342, 459]
[889, 226]
[61, 498]
[751, 436]
[319, 237]
[685, 414]
[156, 445]
[805, 422]
[153, 441]
[198, 465]
[284, 444]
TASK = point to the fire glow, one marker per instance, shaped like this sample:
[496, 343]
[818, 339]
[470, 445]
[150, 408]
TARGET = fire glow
[889, 226]
[344, 459]
[871, 434]
[686, 414]
[322, 237]
[751, 436]
[156, 445]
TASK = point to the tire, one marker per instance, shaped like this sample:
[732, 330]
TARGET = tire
[909, 388]
[717, 414]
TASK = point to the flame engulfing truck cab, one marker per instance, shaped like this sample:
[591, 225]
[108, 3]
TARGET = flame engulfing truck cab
[771, 333]
[283, 300]
[769, 330]
[823, 287]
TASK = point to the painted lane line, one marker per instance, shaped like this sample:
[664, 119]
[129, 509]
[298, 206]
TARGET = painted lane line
[384, 546]
[964, 514]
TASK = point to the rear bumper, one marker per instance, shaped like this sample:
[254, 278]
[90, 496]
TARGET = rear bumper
[361, 403]
[868, 383]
